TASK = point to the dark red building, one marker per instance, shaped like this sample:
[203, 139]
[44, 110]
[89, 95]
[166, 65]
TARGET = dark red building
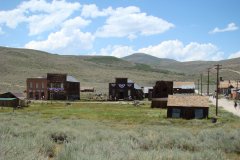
[160, 93]
[53, 87]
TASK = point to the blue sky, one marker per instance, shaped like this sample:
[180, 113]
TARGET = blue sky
[183, 30]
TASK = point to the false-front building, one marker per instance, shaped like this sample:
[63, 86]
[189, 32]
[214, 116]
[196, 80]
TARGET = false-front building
[124, 89]
[53, 87]
[187, 107]
[160, 93]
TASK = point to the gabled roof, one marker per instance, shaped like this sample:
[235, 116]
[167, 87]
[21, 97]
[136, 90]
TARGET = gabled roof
[227, 84]
[19, 95]
[71, 79]
[12, 95]
[187, 101]
[184, 85]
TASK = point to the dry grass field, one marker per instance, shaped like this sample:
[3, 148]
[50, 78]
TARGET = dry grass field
[113, 131]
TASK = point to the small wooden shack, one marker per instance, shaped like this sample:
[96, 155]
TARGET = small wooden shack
[9, 99]
[160, 93]
[183, 87]
[187, 107]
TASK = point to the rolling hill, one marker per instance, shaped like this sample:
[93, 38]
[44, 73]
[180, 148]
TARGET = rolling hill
[97, 71]
[148, 59]
[192, 67]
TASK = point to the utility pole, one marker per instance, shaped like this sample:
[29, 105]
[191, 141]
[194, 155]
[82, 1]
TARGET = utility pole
[208, 82]
[237, 91]
[198, 86]
[201, 82]
[217, 85]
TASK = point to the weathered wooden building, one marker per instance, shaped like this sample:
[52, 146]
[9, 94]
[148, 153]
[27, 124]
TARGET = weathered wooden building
[9, 99]
[187, 107]
[183, 87]
[124, 89]
[147, 91]
[160, 93]
[225, 86]
[53, 87]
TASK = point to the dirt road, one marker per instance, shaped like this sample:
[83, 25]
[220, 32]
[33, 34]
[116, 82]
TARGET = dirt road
[228, 105]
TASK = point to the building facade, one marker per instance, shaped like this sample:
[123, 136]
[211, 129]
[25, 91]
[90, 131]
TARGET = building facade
[53, 87]
[124, 89]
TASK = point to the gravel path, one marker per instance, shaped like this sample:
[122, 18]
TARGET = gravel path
[228, 105]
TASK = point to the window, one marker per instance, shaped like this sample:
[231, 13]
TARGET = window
[56, 85]
[30, 85]
[36, 85]
[30, 95]
[42, 84]
[199, 113]
[176, 113]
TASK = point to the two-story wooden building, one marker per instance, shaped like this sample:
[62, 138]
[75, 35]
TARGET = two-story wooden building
[53, 87]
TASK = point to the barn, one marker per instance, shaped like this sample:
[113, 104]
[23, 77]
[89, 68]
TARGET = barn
[124, 89]
[187, 107]
[160, 93]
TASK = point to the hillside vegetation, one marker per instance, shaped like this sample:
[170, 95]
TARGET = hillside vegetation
[192, 67]
[98, 71]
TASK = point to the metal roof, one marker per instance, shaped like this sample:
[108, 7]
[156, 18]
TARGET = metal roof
[184, 85]
[7, 99]
[71, 79]
[135, 85]
[146, 89]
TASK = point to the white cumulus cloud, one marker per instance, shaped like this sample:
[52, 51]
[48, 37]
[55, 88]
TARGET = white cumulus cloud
[92, 11]
[230, 27]
[68, 40]
[116, 51]
[131, 22]
[234, 55]
[175, 49]
[40, 15]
